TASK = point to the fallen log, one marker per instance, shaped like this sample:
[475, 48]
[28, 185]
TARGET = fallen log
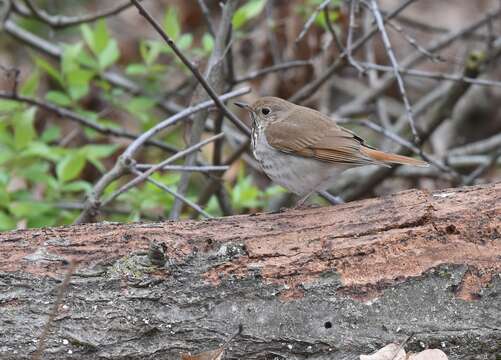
[321, 283]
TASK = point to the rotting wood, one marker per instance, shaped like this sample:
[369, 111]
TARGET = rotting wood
[321, 283]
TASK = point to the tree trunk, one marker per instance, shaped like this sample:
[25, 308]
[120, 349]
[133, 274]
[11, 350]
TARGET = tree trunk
[321, 283]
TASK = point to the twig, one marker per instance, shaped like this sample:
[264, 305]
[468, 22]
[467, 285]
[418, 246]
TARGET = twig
[202, 169]
[55, 309]
[310, 20]
[413, 42]
[143, 176]
[278, 67]
[61, 21]
[481, 169]
[373, 77]
[434, 75]
[331, 29]
[477, 147]
[401, 346]
[349, 39]
[164, 187]
[236, 121]
[206, 14]
[396, 69]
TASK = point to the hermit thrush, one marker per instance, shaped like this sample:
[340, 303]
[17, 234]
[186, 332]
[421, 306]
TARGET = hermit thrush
[305, 151]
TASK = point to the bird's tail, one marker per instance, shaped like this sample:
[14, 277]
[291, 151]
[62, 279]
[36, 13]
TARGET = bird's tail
[387, 158]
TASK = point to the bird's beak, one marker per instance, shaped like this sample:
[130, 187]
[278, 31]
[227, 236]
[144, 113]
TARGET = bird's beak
[243, 105]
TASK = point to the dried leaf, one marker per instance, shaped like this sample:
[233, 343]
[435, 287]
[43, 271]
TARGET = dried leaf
[430, 354]
[389, 352]
[206, 355]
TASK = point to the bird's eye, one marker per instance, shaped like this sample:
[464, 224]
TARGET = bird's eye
[265, 111]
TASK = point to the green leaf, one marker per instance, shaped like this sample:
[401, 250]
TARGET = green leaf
[69, 59]
[24, 131]
[30, 86]
[70, 166]
[50, 134]
[101, 36]
[171, 23]
[207, 42]
[185, 41]
[98, 151]
[77, 186]
[79, 83]
[50, 70]
[88, 36]
[150, 50]
[140, 104]
[136, 69]
[40, 150]
[58, 98]
[109, 55]
[248, 11]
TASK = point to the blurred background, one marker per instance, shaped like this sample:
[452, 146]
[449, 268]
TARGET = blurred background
[81, 79]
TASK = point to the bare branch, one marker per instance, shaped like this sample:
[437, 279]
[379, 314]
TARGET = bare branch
[310, 20]
[206, 13]
[61, 21]
[396, 69]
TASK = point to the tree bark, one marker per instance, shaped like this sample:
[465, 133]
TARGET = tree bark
[321, 283]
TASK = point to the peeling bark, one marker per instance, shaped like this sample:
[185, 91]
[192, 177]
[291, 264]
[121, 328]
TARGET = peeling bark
[322, 283]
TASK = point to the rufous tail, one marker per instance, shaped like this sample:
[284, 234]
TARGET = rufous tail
[392, 158]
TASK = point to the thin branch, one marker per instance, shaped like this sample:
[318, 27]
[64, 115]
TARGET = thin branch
[151, 170]
[310, 20]
[178, 196]
[201, 169]
[61, 21]
[477, 147]
[207, 18]
[278, 67]
[396, 69]
[332, 31]
[434, 75]
[236, 121]
[481, 169]
[413, 42]
[349, 39]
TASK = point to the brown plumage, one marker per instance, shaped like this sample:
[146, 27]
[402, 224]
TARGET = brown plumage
[291, 141]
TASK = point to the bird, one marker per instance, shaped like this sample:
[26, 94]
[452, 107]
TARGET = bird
[304, 150]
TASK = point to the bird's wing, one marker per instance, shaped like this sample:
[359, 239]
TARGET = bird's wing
[308, 133]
